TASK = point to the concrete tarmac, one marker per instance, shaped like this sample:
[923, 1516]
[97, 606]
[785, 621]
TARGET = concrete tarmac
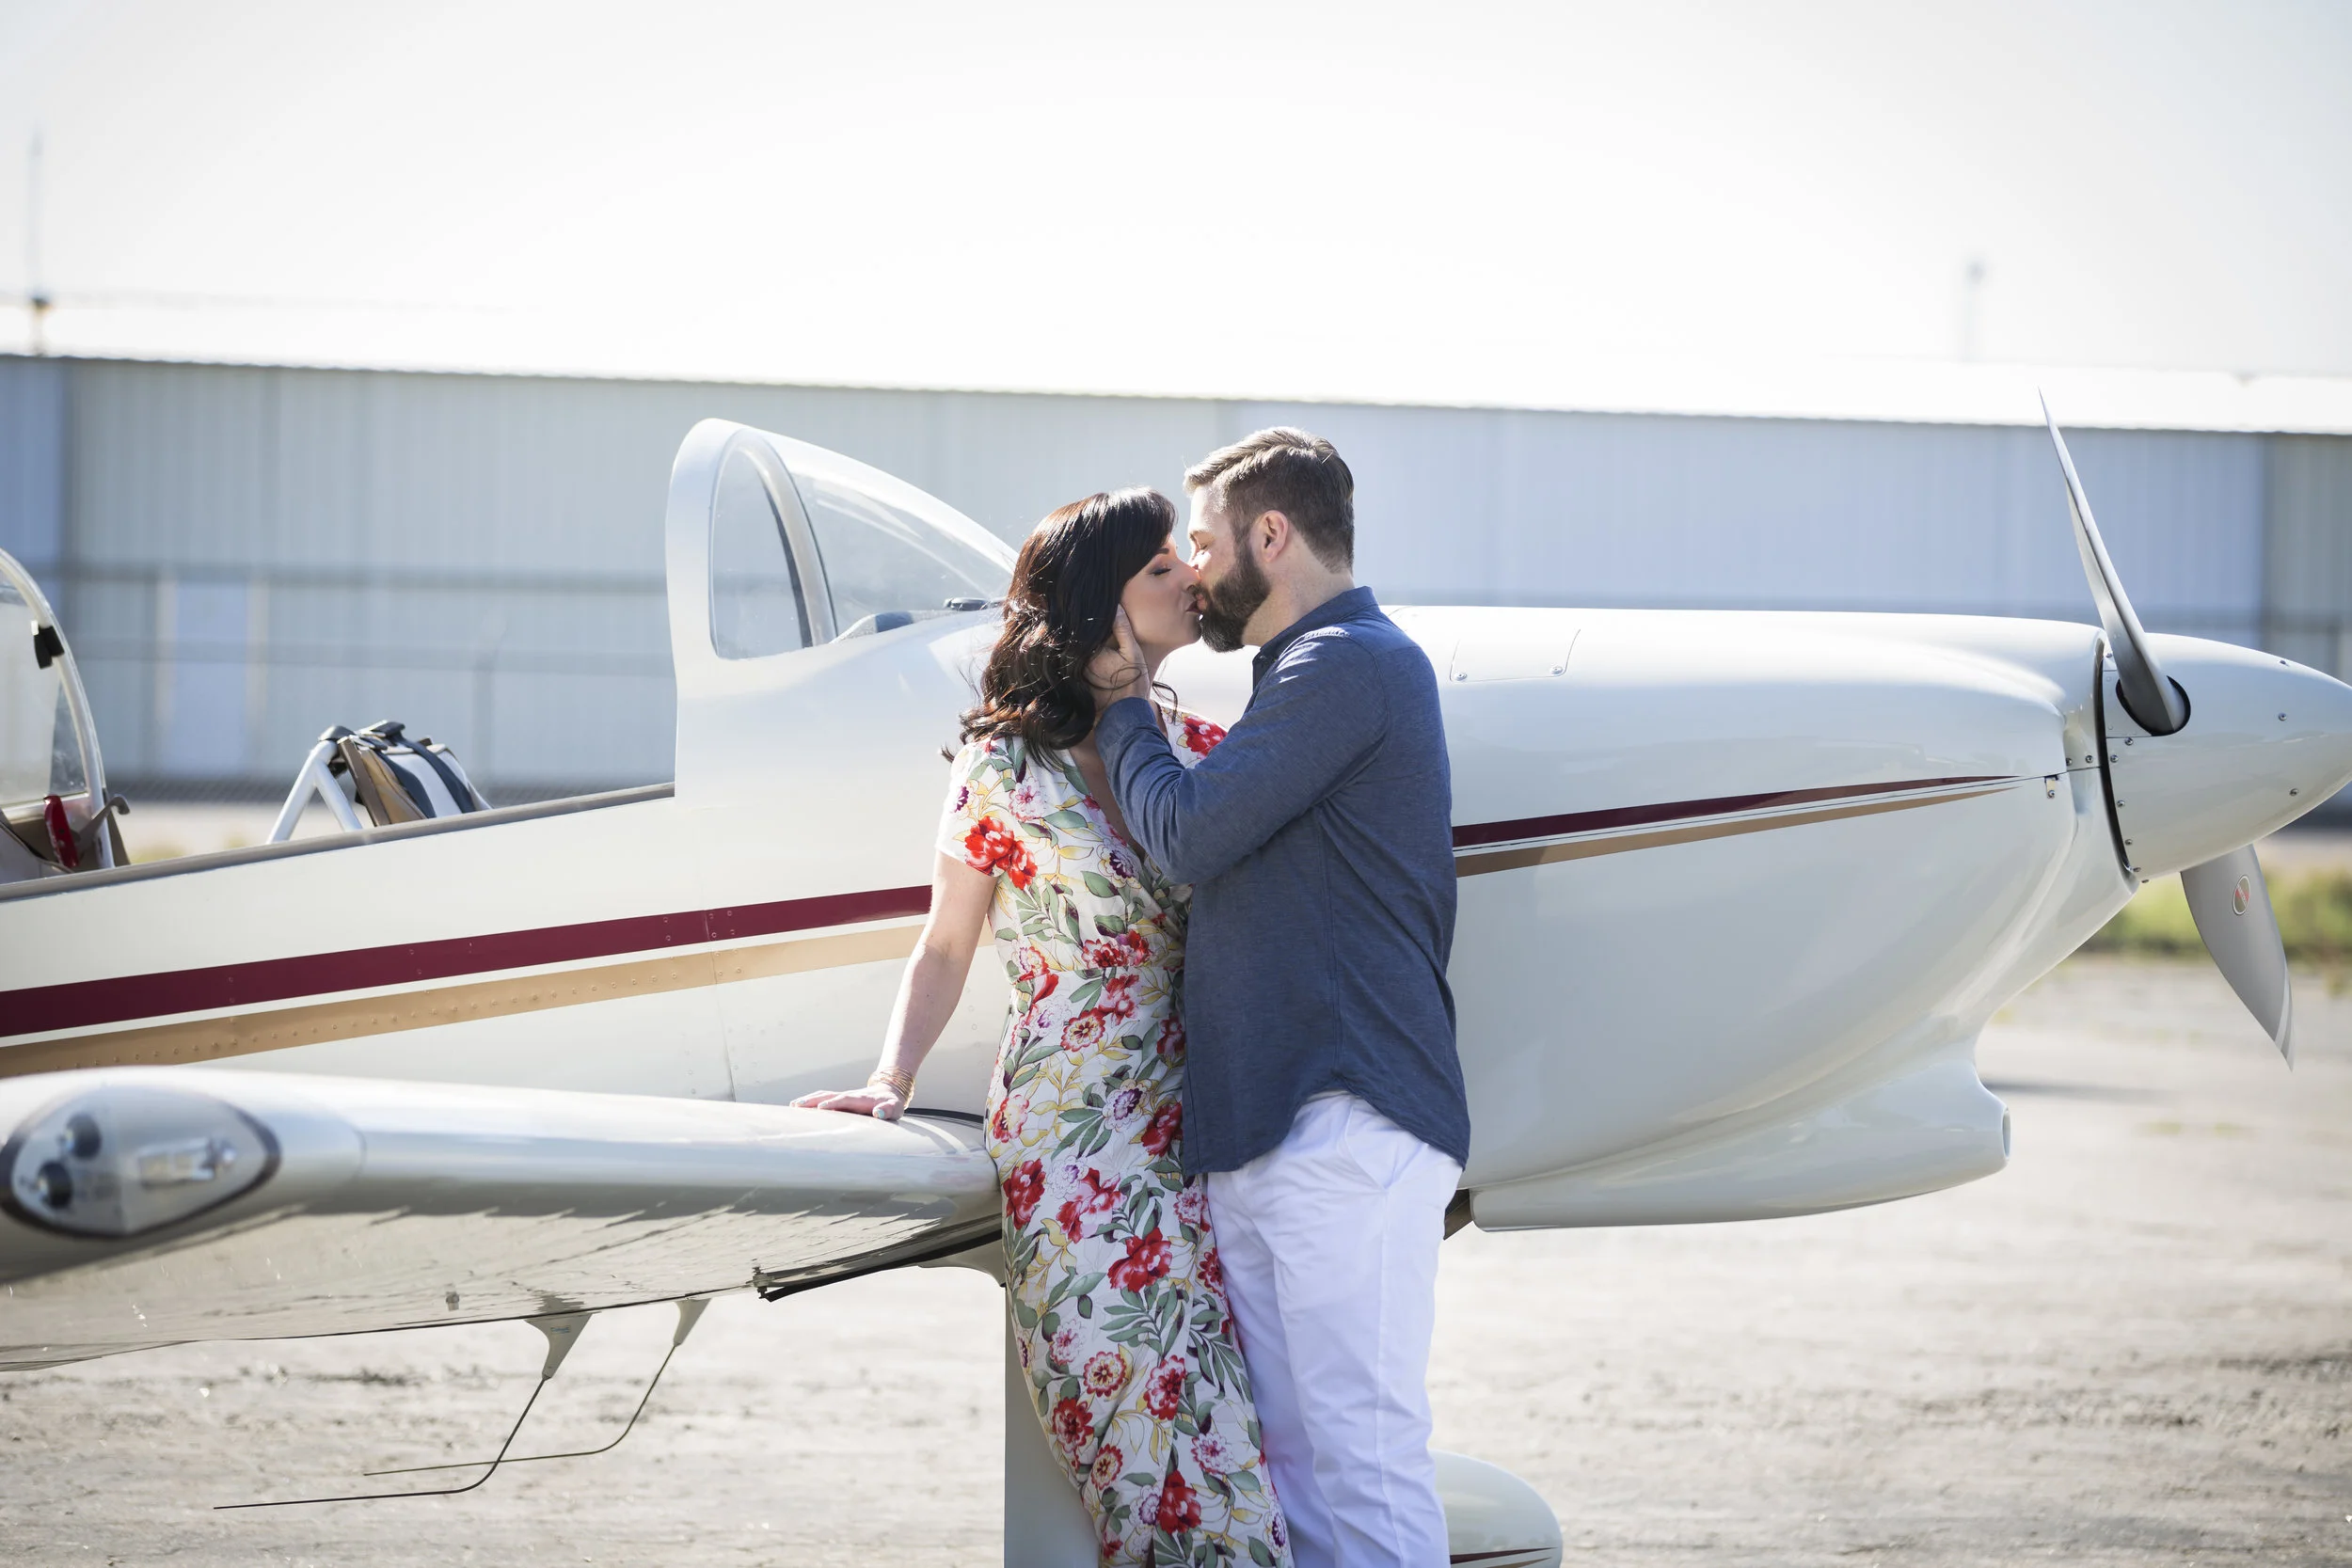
[2134, 1346]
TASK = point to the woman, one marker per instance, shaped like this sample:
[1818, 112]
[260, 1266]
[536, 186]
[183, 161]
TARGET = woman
[1111, 1266]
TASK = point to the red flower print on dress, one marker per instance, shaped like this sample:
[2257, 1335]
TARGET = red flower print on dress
[1200, 737]
[1125, 1104]
[1145, 1260]
[1212, 1272]
[1023, 1188]
[1107, 1465]
[1171, 1041]
[1031, 966]
[1094, 1196]
[1192, 1204]
[1168, 1125]
[1073, 1426]
[1128, 949]
[1029, 800]
[1119, 997]
[1212, 1455]
[1166, 1391]
[1180, 1506]
[1083, 1033]
[1105, 1369]
[1062, 1346]
[991, 847]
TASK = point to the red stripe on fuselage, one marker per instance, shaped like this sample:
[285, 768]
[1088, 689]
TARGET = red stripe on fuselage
[90, 1004]
[1677, 811]
[85, 1003]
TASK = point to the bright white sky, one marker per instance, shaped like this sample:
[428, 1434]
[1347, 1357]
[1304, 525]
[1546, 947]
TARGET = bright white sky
[1342, 199]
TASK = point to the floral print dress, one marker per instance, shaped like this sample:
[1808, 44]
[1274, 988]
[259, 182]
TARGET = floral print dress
[1117, 1304]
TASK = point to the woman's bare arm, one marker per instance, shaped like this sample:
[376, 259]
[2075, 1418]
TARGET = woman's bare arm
[928, 991]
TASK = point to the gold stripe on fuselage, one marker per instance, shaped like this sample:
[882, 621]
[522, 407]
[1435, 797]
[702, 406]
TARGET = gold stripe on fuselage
[1584, 849]
[209, 1040]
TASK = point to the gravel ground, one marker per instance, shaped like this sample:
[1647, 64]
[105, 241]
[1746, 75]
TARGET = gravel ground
[2134, 1346]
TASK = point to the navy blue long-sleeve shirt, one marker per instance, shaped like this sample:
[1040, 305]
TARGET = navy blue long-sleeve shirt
[1318, 838]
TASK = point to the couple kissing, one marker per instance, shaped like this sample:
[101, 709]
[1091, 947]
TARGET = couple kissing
[1227, 1112]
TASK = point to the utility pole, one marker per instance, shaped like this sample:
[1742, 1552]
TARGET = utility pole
[1971, 307]
[37, 299]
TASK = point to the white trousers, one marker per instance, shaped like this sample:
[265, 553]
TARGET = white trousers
[1329, 1246]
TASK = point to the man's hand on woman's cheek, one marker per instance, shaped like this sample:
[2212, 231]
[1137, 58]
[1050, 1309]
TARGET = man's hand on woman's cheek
[1117, 670]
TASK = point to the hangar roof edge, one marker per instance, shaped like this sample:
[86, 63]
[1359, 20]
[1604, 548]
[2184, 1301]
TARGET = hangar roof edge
[1853, 390]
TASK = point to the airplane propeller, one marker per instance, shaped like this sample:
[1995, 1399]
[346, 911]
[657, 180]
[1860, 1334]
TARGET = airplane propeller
[2227, 895]
[2232, 908]
[2157, 703]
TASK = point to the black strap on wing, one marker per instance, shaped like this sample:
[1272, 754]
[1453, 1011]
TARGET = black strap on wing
[461, 790]
[391, 735]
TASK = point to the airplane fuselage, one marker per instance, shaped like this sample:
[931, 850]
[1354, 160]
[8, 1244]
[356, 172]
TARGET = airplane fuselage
[1738, 891]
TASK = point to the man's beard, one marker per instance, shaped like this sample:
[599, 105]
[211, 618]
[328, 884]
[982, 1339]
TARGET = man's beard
[1225, 608]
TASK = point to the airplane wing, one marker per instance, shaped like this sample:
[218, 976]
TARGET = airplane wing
[152, 1206]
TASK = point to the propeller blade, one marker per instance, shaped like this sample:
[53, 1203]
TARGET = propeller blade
[2232, 907]
[2151, 700]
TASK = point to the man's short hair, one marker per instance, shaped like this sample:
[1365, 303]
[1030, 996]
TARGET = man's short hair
[1285, 470]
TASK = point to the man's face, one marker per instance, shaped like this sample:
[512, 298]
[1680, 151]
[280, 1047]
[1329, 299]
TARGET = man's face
[1233, 581]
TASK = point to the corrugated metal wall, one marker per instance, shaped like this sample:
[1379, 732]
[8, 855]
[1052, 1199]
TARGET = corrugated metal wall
[32, 465]
[245, 555]
[2307, 549]
[1503, 507]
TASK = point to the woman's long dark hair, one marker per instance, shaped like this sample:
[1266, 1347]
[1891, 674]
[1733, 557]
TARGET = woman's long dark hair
[1059, 613]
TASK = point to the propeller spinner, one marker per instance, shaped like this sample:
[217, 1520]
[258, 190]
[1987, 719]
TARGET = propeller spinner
[2212, 786]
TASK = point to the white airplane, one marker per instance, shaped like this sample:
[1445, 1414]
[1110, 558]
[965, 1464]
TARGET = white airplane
[1738, 893]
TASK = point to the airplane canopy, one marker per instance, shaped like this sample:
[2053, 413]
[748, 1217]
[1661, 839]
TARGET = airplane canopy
[48, 750]
[808, 546]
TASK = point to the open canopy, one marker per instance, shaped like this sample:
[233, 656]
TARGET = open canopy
[52, 784]
[808, 546]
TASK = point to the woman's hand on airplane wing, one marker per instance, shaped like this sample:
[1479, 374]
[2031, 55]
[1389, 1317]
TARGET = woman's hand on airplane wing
[871, 1100]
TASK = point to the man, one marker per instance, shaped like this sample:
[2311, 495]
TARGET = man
[1323, 1096]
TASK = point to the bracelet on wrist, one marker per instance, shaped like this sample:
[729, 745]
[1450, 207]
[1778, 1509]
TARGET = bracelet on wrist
[896, 1080]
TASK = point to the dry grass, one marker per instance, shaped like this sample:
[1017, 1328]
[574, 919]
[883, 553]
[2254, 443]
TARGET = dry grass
[2315, 910]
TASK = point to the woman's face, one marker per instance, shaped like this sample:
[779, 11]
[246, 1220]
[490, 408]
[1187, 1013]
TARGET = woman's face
[1161, 602]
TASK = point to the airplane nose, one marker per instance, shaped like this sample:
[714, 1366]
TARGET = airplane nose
[2266, 740]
